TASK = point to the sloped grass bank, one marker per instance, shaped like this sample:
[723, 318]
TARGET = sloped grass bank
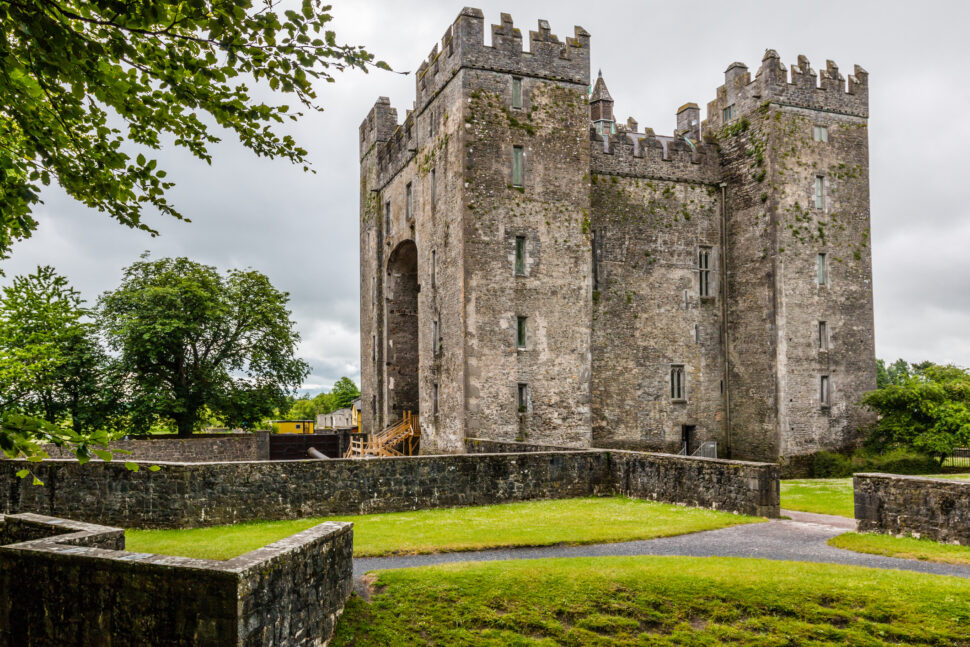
[656, 601]
[531, 523]
[829, 496]
[905, 547]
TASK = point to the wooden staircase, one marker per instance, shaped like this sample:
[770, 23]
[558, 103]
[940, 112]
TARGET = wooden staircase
[400, 439]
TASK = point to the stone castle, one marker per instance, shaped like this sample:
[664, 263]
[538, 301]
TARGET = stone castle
[534, 270]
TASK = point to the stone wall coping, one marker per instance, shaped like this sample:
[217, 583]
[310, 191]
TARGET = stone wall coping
[71, 536]
[911, 477]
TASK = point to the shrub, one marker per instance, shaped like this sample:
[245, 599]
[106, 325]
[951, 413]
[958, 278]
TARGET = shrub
[894, 461]
[831, 465]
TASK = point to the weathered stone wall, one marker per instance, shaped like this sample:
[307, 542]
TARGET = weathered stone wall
[202, 494]
[487, 446]
[936, 509]
[71, 583]
[198, 448]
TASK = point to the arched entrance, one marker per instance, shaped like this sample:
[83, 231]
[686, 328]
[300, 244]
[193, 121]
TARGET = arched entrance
[402, 331]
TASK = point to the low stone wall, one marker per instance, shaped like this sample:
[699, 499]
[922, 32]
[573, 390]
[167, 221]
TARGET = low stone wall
[202, 494]
[74, 585]
[197, 448]
[487, 446]
[936, 509]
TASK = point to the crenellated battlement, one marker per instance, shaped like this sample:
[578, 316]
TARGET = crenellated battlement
[636, 154]
[379, 125]
[802, 87]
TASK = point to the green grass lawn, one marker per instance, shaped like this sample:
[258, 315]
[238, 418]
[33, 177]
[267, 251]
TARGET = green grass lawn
[829, 496]
[531, 523]
[656, 601]
[906, 547]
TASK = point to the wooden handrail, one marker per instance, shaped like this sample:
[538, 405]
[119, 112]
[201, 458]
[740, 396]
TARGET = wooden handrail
[386, 441]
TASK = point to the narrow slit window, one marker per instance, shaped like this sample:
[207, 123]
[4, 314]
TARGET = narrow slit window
[434, 187]
[677, 382]
[408, 202]
[820, 133]
[823, 336]
[517, 159]
[434, 397]
[431, 125]
[373, 290]
[822, 269]
[434, 268]
[595, 247]
[819, 192]
[704, 271]
[373, 348]
[520, 338]
[435, 337]
[823, 391]
[516, 92]
[697, 333]
[520, 255]
[522, 397]
[387, 218]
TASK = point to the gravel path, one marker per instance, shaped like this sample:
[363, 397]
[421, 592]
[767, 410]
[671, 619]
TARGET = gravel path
[801, 538]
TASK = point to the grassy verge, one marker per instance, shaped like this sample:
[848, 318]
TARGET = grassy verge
[906, 547]
[657, 601]
[530, 523]
[829, 496]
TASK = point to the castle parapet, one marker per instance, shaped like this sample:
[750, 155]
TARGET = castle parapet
[646, 155]
[803, 88]
[378, 126]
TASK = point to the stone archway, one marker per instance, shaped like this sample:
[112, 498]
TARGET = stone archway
[402, 331]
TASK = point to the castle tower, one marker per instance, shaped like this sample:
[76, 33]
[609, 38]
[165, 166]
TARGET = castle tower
[800, 347]
[475, 261]
[601, 108]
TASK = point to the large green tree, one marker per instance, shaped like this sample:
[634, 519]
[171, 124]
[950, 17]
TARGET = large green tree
[87, 83]
[190, 338]
[926, 409]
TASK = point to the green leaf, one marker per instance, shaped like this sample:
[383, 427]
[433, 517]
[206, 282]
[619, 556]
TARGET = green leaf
[154, 468]
[22, 473]
[132, 467]
[103, 454]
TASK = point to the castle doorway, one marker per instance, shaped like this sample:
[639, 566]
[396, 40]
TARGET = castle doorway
[402, 331]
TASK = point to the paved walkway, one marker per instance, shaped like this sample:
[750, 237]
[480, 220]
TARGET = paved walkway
[801, 538]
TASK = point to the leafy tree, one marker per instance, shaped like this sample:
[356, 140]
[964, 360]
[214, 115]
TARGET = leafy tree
[303, 409]
[85, 82]
[895, 373]
[190, 338]
[929, 411]
[343, 393]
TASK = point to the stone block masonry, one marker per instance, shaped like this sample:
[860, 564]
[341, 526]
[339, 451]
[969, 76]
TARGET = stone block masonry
[184, 495]
[936, 509]
[71, 583]
[194, 449]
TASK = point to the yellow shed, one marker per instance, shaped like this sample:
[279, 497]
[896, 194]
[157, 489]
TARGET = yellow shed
[292, 426]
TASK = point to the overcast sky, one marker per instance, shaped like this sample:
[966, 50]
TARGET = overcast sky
[302, 230]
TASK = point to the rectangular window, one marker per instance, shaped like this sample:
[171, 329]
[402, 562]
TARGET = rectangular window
[431, 125]
[697, 333]
[373, 290]
[373, 405]
[595, 246]
[434, 268]
[373, 350]
[408, 202]
[520, 332]
[434, 188]
[819, 192]
[520, 255]
[677, 382]
[516, 92]
[823, 391]
[434, 397]
[729, 113]
[823, 336]
[517, 159]
[822, 269]
[522, 397]
[435, 337]
[704, 271]
[820, 133]
[387, 219]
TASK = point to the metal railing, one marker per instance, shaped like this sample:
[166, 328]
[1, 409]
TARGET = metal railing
[706, 450]
[959, 458]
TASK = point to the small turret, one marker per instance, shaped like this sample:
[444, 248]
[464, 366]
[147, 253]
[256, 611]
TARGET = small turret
[689, 122]
[601, 108]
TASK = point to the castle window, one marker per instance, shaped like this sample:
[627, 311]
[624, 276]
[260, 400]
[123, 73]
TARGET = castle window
[434, 268]
[373, 349]
[697, 333]
[822, 269]
[823, 336]
[408, 202]
[824, 389]
[677, 385]
[820, 133]
[819, 192]
[518, 156]
[431, 124]
[516, 92]
[373, 290]
[704, 271]
[522, 397]
[520, 332]
[434, 398]
[520, 255]
[435, 337]
[434, 188]
[728, 113]
[373, 405]
[387, 218]
[595, 248]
